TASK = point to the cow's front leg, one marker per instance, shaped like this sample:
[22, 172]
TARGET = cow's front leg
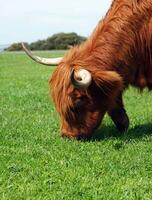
[119, 116]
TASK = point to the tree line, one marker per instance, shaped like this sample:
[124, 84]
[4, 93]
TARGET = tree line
[55, 42]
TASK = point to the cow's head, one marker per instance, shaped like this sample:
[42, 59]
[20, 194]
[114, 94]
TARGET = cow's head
[82, 92]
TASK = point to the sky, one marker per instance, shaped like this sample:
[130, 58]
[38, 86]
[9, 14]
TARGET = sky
[30, 20]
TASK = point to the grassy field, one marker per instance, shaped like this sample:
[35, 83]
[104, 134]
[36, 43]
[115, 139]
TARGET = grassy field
[37, 164]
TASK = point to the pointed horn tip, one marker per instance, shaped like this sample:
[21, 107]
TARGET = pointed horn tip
[23, 45]
[41, 60]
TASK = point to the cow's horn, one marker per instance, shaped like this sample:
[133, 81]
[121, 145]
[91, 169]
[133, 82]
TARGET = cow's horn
[81, 79]
[44, 61]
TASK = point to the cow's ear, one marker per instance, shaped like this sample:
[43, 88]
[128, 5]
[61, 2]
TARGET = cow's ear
[109, 82]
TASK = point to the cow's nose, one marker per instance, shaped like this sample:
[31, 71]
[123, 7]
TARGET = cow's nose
[77, 137]
[83, 137]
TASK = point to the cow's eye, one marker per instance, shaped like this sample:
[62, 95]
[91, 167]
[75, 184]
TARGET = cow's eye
[78, 103]
[77, 106]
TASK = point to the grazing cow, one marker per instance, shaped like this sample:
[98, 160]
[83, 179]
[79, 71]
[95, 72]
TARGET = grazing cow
[89, 81]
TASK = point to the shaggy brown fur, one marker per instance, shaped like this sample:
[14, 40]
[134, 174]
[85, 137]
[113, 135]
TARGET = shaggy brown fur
[118, 54]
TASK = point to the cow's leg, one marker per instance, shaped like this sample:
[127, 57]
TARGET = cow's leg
[119, 116]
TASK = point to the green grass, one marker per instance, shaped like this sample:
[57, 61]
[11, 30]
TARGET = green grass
[37, 164]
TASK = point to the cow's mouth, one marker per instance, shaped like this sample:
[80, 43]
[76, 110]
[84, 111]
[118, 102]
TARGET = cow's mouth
[81, 135]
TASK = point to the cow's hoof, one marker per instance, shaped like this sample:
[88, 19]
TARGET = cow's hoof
[122, 127]
[120, 119]
[123, 124]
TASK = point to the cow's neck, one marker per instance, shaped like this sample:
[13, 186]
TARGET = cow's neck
[119, 41]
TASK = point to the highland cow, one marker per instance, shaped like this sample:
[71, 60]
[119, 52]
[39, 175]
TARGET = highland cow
[91, 78]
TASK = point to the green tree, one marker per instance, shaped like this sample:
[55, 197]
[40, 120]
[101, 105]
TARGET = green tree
[15, 47]
[56, 41]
